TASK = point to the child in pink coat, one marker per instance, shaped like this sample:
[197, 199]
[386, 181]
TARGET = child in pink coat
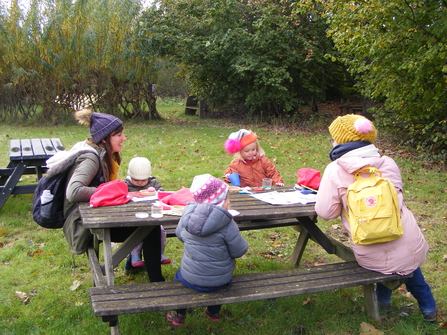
[353, 149]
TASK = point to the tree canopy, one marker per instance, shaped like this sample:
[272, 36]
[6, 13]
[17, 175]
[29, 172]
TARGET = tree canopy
[59, 53]
[257, 56]
[398, 52]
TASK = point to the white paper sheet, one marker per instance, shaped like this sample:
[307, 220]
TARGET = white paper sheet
[149, 198]
[285, 198]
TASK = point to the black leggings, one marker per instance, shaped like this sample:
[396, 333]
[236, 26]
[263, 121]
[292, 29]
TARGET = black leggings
[151, 249]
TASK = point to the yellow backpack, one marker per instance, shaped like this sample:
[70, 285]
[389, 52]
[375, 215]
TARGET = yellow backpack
[374, 214]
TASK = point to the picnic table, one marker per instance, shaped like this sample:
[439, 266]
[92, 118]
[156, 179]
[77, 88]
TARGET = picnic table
[26, 156]
[109, 301]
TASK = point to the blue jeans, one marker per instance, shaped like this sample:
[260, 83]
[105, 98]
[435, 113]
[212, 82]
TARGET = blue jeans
[215, 309]
[417, 286]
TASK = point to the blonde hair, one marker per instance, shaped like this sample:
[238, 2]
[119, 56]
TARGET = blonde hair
[259, 150]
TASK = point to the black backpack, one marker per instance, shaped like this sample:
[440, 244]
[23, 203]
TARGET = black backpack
[51, 214]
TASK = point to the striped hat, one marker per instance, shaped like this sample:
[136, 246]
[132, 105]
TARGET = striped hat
[351, 127]
[207, 189]
[238, 140]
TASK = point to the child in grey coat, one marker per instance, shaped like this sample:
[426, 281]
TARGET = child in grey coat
[211, 240]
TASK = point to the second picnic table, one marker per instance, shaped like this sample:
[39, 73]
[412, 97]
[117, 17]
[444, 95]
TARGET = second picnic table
[26, 156]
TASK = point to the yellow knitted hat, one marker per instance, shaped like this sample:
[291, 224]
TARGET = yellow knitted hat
[351, 127]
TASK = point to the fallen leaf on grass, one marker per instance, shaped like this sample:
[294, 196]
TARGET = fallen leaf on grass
[75, 285]
[22, 296]
[32, 253]
[305, 302]
[444, 257]
[266, 255]
[2, 232]
[366, 328]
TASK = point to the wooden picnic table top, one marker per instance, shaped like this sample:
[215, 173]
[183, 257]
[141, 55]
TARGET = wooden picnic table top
[250, 209]
[34, 149]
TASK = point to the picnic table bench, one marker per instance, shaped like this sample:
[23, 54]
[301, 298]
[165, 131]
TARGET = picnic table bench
[26, 156]
[110, 301]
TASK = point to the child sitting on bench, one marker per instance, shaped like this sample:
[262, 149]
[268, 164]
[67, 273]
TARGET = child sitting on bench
[211, 240]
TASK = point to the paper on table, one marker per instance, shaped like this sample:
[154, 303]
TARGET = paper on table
[285, 198]
[234, 212]
[149, 198]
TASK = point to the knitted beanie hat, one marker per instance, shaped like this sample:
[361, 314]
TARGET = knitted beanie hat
[238, 140]
[351, 127]
[139, 168]
[101, 125]
[207, 189]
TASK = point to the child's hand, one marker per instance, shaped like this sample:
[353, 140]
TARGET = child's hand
[279, 184]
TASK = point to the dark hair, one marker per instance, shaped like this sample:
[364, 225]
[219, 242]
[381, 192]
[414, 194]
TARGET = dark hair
[116, 156]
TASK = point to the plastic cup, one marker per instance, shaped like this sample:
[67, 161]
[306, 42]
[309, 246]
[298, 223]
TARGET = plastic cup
[234, 179]
[157, 210]
[267, 184]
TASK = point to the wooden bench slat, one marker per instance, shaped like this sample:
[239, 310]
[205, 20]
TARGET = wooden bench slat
[25, 147]
[38, 148]
[57, 144]
[15, 151]
[48, 147]
[139, 298]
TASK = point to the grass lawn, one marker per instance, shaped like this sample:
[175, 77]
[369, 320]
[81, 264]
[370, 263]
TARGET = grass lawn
[41, 294]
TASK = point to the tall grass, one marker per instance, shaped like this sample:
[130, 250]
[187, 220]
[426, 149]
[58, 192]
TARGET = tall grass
[37, 261]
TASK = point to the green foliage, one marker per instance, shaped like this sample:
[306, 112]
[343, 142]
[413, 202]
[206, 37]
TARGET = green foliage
[59, 52]
[258, 57]
[397, 51]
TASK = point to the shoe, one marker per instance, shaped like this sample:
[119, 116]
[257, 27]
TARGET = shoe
[213, 317]
[138, 264]
[165, 261]
[430, 317]
[175, 318]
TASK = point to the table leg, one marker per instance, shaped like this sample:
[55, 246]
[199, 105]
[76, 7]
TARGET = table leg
[372, 308]
[131, 242]
[11, 183]
[108, 264]
[299, 247]
[310, 225]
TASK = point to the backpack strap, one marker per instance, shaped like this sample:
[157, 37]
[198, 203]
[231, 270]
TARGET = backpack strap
[367, 169]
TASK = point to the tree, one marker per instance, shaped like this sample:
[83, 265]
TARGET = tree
[397, 50]
[59, 52]
[256, 56]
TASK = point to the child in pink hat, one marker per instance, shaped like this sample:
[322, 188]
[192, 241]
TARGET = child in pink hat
[205, 223]
[249, 160]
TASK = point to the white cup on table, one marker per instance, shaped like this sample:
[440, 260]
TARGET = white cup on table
[157, 210]
[267, 184]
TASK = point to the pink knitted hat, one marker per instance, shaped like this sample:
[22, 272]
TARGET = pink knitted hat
[238, 140]
[207, 189]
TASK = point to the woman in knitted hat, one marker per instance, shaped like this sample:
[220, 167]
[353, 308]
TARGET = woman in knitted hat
[95, 161]
[211, 243]
[353, 149]
[249, 160]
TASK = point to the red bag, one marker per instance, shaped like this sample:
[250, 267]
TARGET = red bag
[309, 178]
[180, 197]
[110, 194]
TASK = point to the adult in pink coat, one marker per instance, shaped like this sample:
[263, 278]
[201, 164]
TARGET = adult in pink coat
[353, 149]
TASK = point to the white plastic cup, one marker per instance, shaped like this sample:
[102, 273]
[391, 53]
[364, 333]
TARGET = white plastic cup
[267, 184]
[157, 210]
